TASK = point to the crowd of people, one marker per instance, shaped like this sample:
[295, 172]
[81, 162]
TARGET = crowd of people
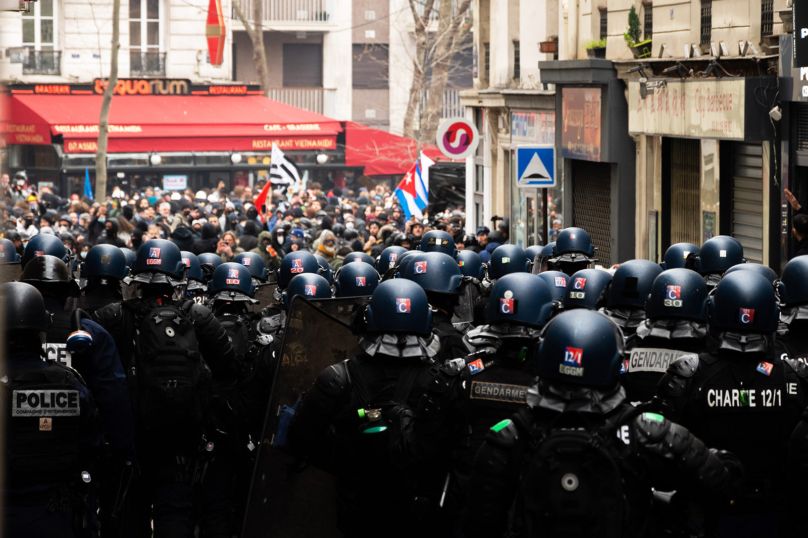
[492, 390]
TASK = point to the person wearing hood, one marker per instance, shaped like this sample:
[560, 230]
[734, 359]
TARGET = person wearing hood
[327, 248]
[110, 235]
[270, 249]
[495, 239]
[209, 240]
[183, 238]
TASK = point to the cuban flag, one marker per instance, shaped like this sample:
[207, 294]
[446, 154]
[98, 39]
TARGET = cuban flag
[360, 281]
[403, 306]
[413, 191]
[674, 292]
[573, 356]
[311, 289]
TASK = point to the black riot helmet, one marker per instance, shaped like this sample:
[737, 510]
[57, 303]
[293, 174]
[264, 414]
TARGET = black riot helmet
[632, 283]
[327, 270]
[581, 348]
[678, 294]
[470, 264]
[399, 306]
[507, 259]
[795, 280]
[435, 272]
[106, 261]
[193, 271]
[585, 289]
[573, 245]
[45, 245]
[297, 263]
[557, 281]
[211, 259]
[49, 273]
[744, 302]
[718, 254]
[231, 282]
[307, 285]
[8, 254]
[762, 270]
[158, 256]
[360, 257]
[254, 264]
[405, 260]
[356, 280]
[676, 255]
[438, 241]
[24, 307]
[389, 258]
[130, 256]
[520, 299]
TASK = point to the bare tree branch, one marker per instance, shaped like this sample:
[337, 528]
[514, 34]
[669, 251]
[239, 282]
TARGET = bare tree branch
[106, 103]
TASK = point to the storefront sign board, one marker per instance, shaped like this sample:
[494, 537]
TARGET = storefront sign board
[581, 123]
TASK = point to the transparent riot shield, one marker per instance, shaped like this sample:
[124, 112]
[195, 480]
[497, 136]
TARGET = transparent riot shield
[10, 272]
[265, 295]
[285, 501]
[464, 309]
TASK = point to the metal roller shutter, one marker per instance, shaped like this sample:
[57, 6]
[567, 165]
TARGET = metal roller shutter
[591, 205]
[685, 191]
[747, 199]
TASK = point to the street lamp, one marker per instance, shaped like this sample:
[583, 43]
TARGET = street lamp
[155, 160]
[235, 158]
[322, 158]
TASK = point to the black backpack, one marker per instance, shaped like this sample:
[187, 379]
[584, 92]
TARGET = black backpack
[572, 484]
[169, 381]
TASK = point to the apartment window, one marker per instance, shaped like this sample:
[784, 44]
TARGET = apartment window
[486, 59]
[302, 65]
[604, 28]
[706, 21]
[370, 67]
[648, 20]
[145, 38]
[766, 17]
[39, 35]
[370, 15]
[517, 70]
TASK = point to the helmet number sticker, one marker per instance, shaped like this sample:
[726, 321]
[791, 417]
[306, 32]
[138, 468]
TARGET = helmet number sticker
[573, 360]
[577, 295]
[673, 297]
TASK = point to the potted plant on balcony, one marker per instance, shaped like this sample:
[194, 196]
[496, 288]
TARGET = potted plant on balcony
[596, 48]
[549, 47]
[640, 49]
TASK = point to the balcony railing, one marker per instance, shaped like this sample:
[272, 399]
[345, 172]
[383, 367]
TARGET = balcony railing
[452, 107]
[147, 63]
[42, 62]
[319, 100]
[292, 12]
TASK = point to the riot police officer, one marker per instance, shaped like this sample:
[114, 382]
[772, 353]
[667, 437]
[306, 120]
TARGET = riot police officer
[8, 254]
[676, 326]
[586, 289]
[356, 280]
[557, 281]
[195, 287]
[438, 241]
[170, 349]
[327, 270]
[716, 256]
[440, 277]
[676, 255]
[45, 245]
[259, 274]
[573, 251]
[506, 259]
[741, 396]
[579, 460]
[793, 343]
[542, 262]
[625, 298]
[389, 258]
[472, 267]
[51, 429]
[366, 399]
[104, 268]
[361, 257]
[471, 394]
[530, 254]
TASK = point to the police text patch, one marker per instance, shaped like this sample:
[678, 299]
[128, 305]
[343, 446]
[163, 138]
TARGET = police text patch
[45, 403]
[652, 360]
[499, 392]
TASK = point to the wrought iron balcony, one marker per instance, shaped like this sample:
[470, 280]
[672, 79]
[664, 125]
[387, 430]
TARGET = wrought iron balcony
[292, 12]
[147, 63]
[42, 62]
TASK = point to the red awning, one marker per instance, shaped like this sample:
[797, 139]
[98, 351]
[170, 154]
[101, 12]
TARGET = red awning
[382, 153]
[139, 123]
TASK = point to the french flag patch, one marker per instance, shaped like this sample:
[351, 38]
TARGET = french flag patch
[765, 368]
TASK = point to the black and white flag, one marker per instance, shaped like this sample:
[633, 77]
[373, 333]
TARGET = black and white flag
[282, 171]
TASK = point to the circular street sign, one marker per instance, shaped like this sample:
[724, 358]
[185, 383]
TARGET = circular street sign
[457, 138]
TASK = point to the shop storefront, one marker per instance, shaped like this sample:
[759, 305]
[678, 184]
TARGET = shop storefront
[708, 155]
[596, 156]
[168, 134]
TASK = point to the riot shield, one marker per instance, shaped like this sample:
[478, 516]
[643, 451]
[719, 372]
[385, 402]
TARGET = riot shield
[265, 295]
[464, 309]
[285, 501]
[10, 272]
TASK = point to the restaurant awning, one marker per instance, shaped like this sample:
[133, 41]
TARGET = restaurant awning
[382, 153]
[152, 123]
